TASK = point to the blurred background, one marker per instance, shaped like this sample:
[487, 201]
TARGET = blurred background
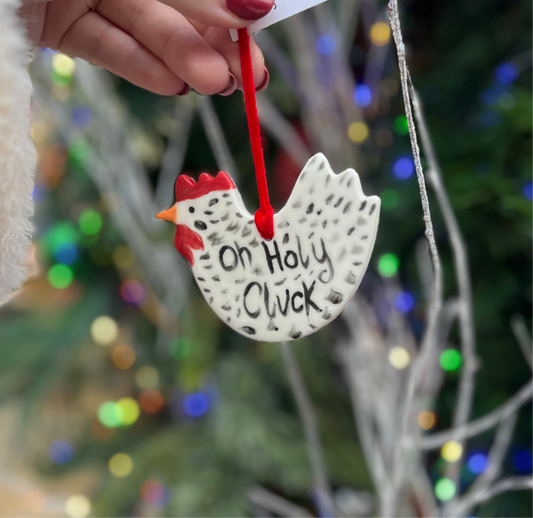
[123, 394]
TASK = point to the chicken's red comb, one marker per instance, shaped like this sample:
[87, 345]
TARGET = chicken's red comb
[188, 189]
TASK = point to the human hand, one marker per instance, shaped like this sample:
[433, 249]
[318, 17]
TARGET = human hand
[166, 47]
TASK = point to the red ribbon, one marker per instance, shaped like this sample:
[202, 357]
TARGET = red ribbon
[264, 217]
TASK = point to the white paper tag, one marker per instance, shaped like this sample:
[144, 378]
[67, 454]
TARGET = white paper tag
[282, 9]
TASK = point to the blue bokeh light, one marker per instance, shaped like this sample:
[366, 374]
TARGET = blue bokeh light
[403, 168]
[478, 463]
[528, 191]
[404, 302]
[60, 452]
[66, 253]
[196, 404]
[362, 95]
[39, 193]
[81, 116]
[325, 45]
[507, 73]
[523, 461]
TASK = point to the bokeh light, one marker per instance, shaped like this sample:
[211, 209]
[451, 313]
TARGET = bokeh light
[403, 168]
[90, 222]
[180, 348]
[77, 506]
[450, 359]
[528, 191]
[81, 116]
[104, 330]
[522, 461]
[380, 34]
[123, 256]
[452, 451]
[507, 73]
[399, 358]
[388, 265]
[196, 404]
[477, 463]
[358, 132]
[400, 125]
[445, 489]
[120, 465]
[110, 414]
[133, 292]
[151, 401]
[362, 95]
[63, 65]
[427, 419]
[389, 198]
[325, 45]
[147, 377]
[60, 276]
[78, 152]
[130, 410]
[404, 302]
[66, 253]
[153, 492]
[123, 356]
[39, 132]
[60, 452]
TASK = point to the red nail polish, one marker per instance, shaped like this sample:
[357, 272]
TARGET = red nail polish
[265, 82]
[185, 90]
[250, 9]
[231, 87]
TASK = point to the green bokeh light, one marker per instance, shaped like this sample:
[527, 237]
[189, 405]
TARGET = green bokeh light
[400, 125]
[180, 348]
[78, 152]
[388, 265]
[450, 359]
[444, 489]
[389, 198]
[110, 414]
[59, 80]
[60, 276]
[61, 233]
[90, 222]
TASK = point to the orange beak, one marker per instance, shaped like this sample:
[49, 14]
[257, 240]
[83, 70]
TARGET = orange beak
[169, 215]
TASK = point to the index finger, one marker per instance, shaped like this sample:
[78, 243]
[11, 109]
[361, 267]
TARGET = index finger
[230, 14]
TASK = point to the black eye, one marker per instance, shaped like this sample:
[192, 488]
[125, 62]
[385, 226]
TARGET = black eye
[191, 209]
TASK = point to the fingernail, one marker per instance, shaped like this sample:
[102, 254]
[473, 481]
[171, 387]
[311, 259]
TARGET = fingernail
[250, 9]
[231, 87]
[265, 82]
[185, 90]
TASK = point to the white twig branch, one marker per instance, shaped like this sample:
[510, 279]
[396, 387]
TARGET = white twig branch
[275, 503]
[521, 334]
[482, 424]
[310, 425]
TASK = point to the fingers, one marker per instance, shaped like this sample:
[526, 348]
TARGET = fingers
[98, 41]
[170, 36]
[220, 40]
[229, 14]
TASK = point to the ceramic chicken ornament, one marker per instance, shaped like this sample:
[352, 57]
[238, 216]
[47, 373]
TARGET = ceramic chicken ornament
[294, 284]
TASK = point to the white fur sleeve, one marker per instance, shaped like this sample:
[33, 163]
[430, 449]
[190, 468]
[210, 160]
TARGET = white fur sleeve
[17, 152]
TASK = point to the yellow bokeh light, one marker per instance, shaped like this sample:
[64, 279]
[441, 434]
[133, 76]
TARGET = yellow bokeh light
[130, 410]
[120, 465]
[399, 358]
[452, 451]
[147, 377]
[358, 131]
[104, 330]
[63, 65]
[123, 256]
[39, 132]
[123, 356]
[380, 34]
[427, 419]
[77, 506]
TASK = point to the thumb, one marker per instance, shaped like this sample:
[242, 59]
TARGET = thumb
[230, 14]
